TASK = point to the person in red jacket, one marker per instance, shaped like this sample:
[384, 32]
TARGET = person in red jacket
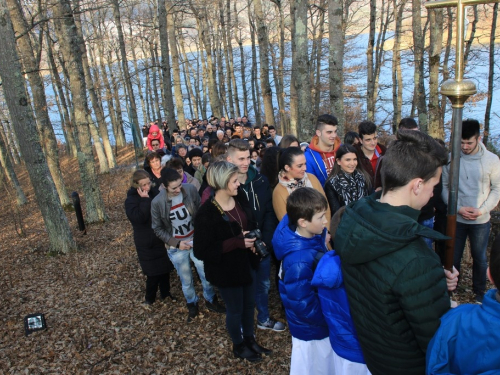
[155, 133]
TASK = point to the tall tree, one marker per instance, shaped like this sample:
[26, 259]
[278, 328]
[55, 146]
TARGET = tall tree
[56, 223]
[435, 47]
[336, 36]
[491, 72]
[69, 43]
[265, 85]
[301, 70]
[201, 14]
[44, 125]
[109, 161]
[165, 62]
[8, 169]
[397, 76]
[124, 65]
[179, 98]
[418, 53]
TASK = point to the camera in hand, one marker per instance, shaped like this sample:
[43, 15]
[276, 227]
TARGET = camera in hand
[260, 246]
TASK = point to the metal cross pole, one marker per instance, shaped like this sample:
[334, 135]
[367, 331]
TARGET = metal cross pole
[458, 90]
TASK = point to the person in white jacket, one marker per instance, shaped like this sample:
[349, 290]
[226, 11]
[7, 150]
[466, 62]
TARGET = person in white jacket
[478, 194]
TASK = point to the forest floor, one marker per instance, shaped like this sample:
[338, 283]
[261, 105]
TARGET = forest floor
[92, 299]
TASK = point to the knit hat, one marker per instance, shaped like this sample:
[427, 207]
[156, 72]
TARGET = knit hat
[195, 152]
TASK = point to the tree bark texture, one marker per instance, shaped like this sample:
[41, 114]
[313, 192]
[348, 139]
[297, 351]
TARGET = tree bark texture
[491, 73]
[418, 75]
[436, 128]
[301, 70]
[44, 126]
[56, 223]
[265, 85]
[336, 35]
[69, 43]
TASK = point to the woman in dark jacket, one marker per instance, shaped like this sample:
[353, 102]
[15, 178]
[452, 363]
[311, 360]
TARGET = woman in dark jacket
[348, 182]
[151, 250]
[229, 258]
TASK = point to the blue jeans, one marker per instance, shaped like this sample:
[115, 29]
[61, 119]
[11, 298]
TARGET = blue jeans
[262, 285]
[180, 260]
[429, 223]
[478, 237]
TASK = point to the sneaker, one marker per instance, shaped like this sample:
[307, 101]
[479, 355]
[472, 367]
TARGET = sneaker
[215, 306]
[479, 298]
[192, 311]
[271, 324]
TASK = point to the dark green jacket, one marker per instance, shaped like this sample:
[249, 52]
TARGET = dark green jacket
[395, 284]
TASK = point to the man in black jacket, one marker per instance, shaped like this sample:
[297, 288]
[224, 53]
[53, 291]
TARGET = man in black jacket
[259, 195]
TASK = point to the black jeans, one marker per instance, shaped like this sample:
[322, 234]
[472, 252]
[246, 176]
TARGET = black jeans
[240, 305]
[152, 284]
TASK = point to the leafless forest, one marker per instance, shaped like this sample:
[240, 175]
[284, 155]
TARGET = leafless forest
[80, 78]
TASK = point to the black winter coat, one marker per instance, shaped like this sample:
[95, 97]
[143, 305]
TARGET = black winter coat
[228, 269]
[151, 251]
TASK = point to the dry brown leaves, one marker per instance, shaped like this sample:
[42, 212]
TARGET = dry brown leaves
[92, 301]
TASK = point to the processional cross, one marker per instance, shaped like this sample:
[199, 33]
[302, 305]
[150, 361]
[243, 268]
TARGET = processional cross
[458, 90]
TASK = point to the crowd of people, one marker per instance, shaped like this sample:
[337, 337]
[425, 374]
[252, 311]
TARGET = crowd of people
[355, 231]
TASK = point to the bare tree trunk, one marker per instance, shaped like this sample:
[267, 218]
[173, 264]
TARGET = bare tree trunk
[435, 48]
[446, 69]
[109, 99]
[44, 126]
[119, 131]
[9, 170]
[279, 70]
[468, 43]
[11, 142]
[109, 159]
[128, 81]
[232, 87]
[56, 223]
[137, 77]
[165, 62]
[179, 101]
[155, 65]
[491, 73]
[336, 36]
[397, 78]
[203, 30]
[69, 43]
[418, 75]
[265, 85]
[188, 72]
[301, 69]
[253, 81]
[370, 69]
[294, 104]
[56, 79]
[242, 72]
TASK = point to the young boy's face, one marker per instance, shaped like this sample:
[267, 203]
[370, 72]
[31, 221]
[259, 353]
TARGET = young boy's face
[317, 223]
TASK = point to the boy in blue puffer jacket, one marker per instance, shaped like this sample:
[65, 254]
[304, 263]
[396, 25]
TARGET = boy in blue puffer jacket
[343, 338]
[299, 243]
[467, 340]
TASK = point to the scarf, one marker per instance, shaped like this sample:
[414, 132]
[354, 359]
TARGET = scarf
[292, 184]
[351, 187]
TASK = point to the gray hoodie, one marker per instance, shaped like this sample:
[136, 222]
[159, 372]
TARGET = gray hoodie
[479, 184]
